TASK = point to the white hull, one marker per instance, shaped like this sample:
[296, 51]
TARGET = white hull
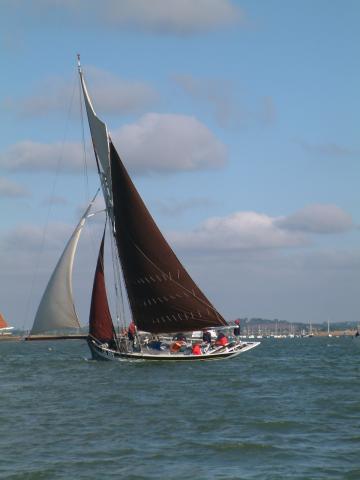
[101, 352]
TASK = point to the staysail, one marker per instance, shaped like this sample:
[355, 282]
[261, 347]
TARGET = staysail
[56, 310]
[100, 323]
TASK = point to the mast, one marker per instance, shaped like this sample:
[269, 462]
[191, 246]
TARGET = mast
[101, 145]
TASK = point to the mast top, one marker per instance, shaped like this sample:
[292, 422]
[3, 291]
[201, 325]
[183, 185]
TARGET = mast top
[78, 62]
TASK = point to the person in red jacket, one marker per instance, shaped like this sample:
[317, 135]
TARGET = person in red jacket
[221, 340]
[196, 349]
[131, 331]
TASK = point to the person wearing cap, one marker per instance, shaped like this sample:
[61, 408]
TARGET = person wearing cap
[237, 328]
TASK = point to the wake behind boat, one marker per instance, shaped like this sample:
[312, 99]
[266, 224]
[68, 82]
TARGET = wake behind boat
[163, 298]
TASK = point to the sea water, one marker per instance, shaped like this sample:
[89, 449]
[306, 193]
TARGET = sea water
[289, 409]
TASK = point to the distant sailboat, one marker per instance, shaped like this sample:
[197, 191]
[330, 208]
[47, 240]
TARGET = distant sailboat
[310, 329]
[163, 298]
[328, 329]
[357, 333]
[5, 329]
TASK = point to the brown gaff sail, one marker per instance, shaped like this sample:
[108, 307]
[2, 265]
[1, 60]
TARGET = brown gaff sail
[162, 295]
[100, 323]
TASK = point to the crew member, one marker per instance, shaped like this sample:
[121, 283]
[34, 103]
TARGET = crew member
[206, 336]
[237, 328]
[131, 331]
[221, 340]
[196, 349]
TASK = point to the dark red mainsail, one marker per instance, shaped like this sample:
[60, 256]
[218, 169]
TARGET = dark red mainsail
[163, 297]
[100, 323]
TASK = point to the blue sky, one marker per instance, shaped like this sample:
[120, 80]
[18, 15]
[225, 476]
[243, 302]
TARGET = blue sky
[238, 121]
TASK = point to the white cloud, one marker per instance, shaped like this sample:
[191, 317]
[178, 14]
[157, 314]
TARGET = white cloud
[156, 143]
[330, 149]
[111, 94]
[216, 93]
[177, 207]
[317, 219]
[255, 231]
[238, 231]
[230, 111]
[35, 156]
[167, 143]
[180, 17]
[12, 189]
[173, 16]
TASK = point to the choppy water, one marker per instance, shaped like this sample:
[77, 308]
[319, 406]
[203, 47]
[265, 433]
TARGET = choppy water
[290, 409]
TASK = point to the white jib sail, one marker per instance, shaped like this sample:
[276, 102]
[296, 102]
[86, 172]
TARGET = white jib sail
[56, 309]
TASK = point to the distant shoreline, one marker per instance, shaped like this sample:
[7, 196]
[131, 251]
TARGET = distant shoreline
[41, 337]
[18, 338]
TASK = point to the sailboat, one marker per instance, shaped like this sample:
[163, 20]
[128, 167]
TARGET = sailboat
[328, 329]
[4, 326]
[170, 314]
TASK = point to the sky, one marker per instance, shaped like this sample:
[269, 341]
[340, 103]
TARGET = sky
[237, 120]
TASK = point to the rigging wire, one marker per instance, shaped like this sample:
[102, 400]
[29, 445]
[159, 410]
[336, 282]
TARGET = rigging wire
[84, 145]
[50, 205]
[118, 284]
